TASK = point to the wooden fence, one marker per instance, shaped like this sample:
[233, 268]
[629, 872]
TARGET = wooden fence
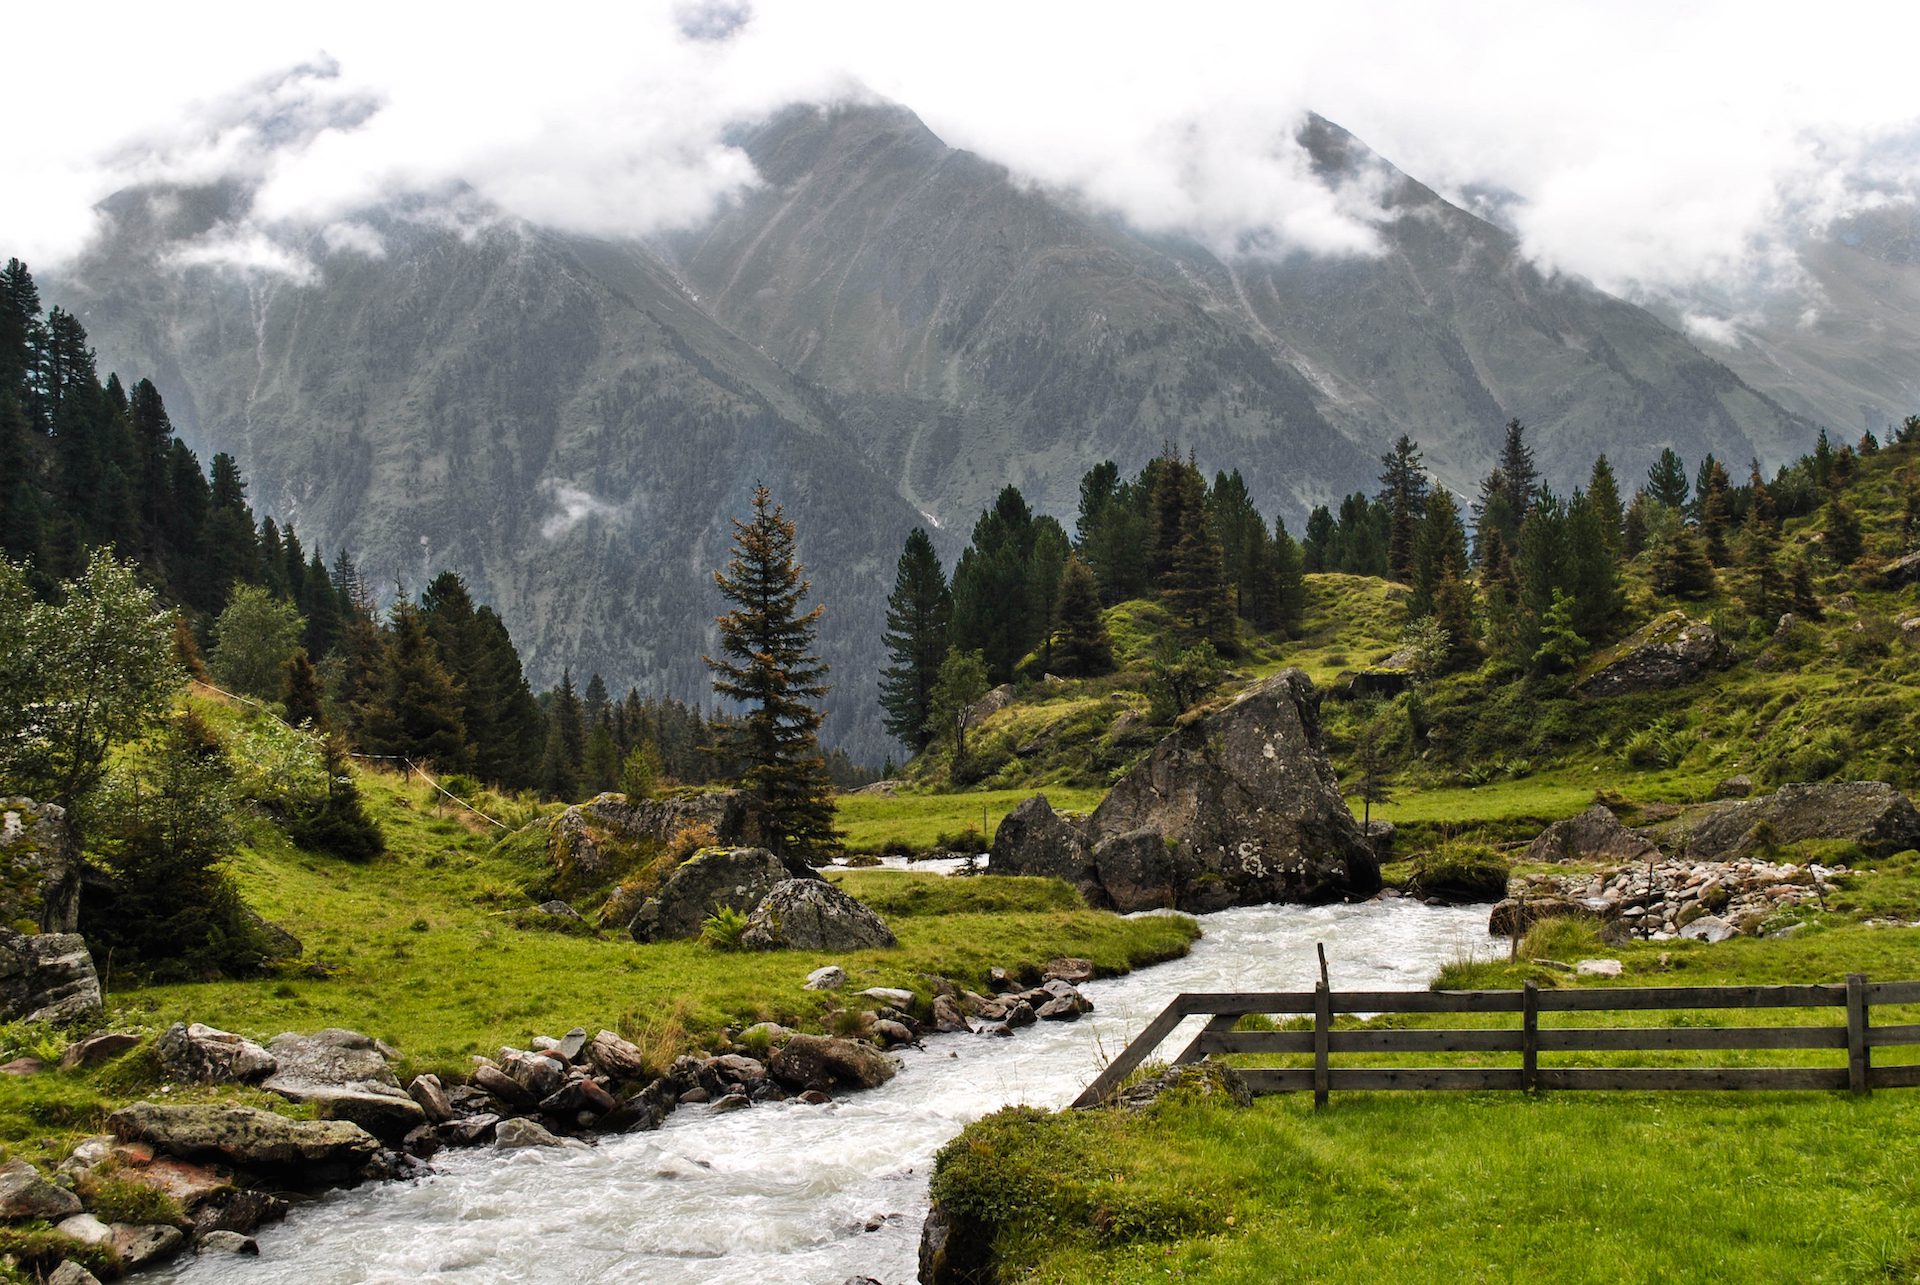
[1857, 1036]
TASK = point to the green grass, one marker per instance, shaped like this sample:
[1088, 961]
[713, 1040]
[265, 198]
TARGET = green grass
[427, 956]
[914, 822]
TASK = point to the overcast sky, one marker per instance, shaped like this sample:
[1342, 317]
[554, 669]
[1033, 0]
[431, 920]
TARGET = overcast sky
[1649, 147]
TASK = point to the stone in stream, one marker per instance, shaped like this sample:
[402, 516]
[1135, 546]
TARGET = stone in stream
[199, 1054]
[732, 1102]
[245, 1137]
[427, 1091]
[502, 1086]
[827, 1062]
[811, 914]
[1067, 969]
[615, 1058]
[140, 1245]
[515, 1135]
[1238, 807]
[228, 1242]
[469, 1131]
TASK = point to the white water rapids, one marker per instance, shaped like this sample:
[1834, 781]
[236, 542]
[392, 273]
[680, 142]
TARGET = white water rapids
[786, 1192]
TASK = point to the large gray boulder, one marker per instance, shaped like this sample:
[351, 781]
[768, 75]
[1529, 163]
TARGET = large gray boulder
[345, 1075]
[242, 1136]
[1668, 651]
[1594, 835]
[46, 977]
[199, 1054]
[1239, 807]
[39, 869]
[737, 878]
[811, 914]
[828, 1062]
[593, 843]
[1871, 814]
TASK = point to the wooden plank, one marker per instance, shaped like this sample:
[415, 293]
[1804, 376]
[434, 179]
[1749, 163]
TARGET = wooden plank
[1530, 1038]
[1283, 1080]
[1651, 1038]
[1220, 1022]
[1386, 1078]
[1893, 993]
[1426, 1002]
[1694, 1077]
[1242, 1002]
[1858, 1058]
[1322, 1023]
[1363, 1041]
[1880, 1037]
[1626, 998]
[1893, 1077]
[1134, 1054]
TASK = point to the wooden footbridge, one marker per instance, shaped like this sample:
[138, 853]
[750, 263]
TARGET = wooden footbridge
[1852, 1037]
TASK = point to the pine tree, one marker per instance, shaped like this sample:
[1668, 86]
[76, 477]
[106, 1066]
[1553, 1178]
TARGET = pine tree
[1561, 646]
[1044, 567]
[1757, 558]
[1592, 574]
[1403, 489]
[919, 617]
[300, 691]
[600, 765]
[991, 586]
[1289, 582]
[1842, 540]
[416, 714]
[1800, 595]
[768, 663]
[1633, 527]
[1453, 612]
[596, 706]
[1760, 503]
[1195, 583]
[1677, 557]
[1910, 515]
[1517, 468]
[1711, 499]
[1316, 545]
[1442, 542]
[1603, 494]
[1667, 480]
[1081, 647]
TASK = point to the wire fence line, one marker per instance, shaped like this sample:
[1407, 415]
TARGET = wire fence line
[377, 758]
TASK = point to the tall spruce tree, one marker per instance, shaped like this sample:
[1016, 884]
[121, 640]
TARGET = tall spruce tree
[565, 753]
[767, 663]
[991, 589]
[1603, 494]
[1441, 542]
[1081, 647]
[1521, 476]
[1667, 480]
[919, 617]
[416, 714]
[1289, 582]
[1403, 489]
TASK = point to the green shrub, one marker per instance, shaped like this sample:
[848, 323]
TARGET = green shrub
[724, 928]
[1459, 872]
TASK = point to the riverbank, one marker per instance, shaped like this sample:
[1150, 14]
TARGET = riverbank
[1448, 1186]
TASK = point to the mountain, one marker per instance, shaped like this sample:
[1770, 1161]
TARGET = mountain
[886, 330]
[1842, 349]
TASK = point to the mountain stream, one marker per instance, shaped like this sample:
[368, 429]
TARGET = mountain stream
[795, 1193]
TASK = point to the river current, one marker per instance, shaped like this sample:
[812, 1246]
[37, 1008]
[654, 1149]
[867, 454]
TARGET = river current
[795, 1193]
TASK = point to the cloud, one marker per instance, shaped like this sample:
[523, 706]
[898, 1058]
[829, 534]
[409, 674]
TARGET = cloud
[574, 505]
[1651, 149]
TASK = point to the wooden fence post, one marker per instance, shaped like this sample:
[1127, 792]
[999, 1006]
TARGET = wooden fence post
[1530, 1037]
[1322, 1024]
[1858, 1063]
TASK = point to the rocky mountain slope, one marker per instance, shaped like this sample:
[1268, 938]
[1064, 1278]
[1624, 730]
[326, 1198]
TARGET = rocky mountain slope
[887, 328]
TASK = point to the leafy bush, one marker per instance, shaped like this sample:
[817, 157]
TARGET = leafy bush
[724, 928]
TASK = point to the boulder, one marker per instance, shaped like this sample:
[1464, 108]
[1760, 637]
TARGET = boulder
[1711, 929]
[1597, 968]
[615, 1058]
[71, 1273]
[139, 1245]
[947, 1017]
[1872, 814]
[1067, 969]
[244, 1137]
[275, 941]
[469, 1131]
[593, 843]
[46, 977]
[1513, 916]
[570, 1046]
[432, 1097]
[96, 1049]
[828, 1062]
[345, 1075]
[240, 1211]
[1903, 570]
[990, 704]
[1734, 787]
[516, 1135]
[1238, 807]
[39, 868]
[1668, 651]
[1594, 835]
[24, 1193]
[191, 1185]
[228, 1242]
[199, 1054]
[830, 978]
[812, 914]
[738, 878]
[498, 1084]
[86, 1229]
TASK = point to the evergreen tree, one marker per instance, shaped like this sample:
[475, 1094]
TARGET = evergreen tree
[1711, 501]
[1760, 503]
[1760, 588]
[300, 691]
[1603, 495]
[1316, 544]
[1048, 561]
[566, 749]
[963, 681]
[1561, 646]
[990, 586]
[1442, 543]
[595, 706]
[416, 714]
[1633, 528]
[600, 766]
[1195, 583]
[1842, 540]
[516, 733]
[1800, 595]
[1243, 541]
[919, 617]
[1403, 489]
[1517, 468]
[1541, 569]
[1822, 461]
[1081, 647]
[231, 548]
[768, 664]
[1112, 530]
[1289, 582]
[1453, 612]
[1592, 574]
[1667, 480]
[1910, 515]
[1677, 557]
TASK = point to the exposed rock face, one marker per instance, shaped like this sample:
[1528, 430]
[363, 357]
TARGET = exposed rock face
[46, 977]
[1668, 651]
[1237, 808]
[39, 870]
[242, 1136]
[1872, 814]
[1594, 835]
[1903, 570]
[713, 877]
[827, 1062]
[812, 914]
[345, 1074]
[200, 1054]
[590, 843]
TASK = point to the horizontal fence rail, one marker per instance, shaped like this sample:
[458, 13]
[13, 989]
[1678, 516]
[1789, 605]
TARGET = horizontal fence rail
[1853, 1032]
